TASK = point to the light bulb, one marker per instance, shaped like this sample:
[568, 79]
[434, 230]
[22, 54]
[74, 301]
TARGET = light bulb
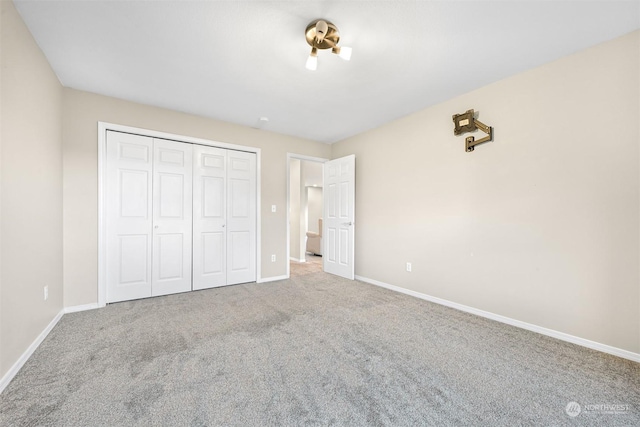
[345, 53]
[312, 63]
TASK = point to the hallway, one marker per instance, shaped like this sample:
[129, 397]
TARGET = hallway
[313, 265]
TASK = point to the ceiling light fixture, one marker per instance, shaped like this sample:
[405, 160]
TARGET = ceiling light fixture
[321, 34]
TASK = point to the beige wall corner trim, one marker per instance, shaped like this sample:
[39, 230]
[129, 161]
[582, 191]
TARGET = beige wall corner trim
[11, 373]
[103, 127]
[625, 354]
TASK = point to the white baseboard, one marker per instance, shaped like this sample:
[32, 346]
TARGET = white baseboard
[509, 321]
[84, 307]
[297, 259]
[6, 379]
[272, 279]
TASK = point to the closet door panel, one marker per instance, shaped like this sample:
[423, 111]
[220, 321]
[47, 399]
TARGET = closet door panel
[213, 254]
[170, 256]
[209, 217]
[240, 247]
[172, 217]
[128, 216]
[241, 217]
[133, 261]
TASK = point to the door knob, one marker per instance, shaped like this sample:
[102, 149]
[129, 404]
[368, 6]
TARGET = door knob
[156, 226]
[222, 225]
[347, 223]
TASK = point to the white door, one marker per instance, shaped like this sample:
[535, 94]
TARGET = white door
[241, 217]
[129, 171]
[172, 217]
[209, 217]
[339, 216]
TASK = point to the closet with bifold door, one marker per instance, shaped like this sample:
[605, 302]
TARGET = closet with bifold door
[179, 216]
[224, 217]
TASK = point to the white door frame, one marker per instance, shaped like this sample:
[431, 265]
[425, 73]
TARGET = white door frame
[103, 127]
[291, 156]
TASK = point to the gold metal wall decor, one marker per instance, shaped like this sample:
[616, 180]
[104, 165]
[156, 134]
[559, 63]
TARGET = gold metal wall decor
[466, 122]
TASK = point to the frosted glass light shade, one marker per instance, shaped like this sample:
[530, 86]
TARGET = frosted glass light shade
[345, 53]
[312, 63]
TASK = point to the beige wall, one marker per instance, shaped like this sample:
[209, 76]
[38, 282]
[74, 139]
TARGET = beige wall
[541, 225]
[31, 179]
[81, 113]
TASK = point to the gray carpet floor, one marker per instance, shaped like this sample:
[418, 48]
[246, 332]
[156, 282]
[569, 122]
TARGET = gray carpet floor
[312, 350]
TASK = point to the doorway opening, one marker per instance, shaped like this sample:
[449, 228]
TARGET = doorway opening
[304, 214]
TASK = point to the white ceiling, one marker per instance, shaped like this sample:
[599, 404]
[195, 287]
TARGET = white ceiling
[240, 60]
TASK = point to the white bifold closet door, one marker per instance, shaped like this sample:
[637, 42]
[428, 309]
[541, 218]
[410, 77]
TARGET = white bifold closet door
[224, 217]
[178, 217]
[209, 217]
[129, 213]
[241, 217]
[148, 216]
[172, 204]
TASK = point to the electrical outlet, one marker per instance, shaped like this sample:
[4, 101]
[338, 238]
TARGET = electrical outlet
[409, 267]
[46, 293]
[273, 208]
[273, 258]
